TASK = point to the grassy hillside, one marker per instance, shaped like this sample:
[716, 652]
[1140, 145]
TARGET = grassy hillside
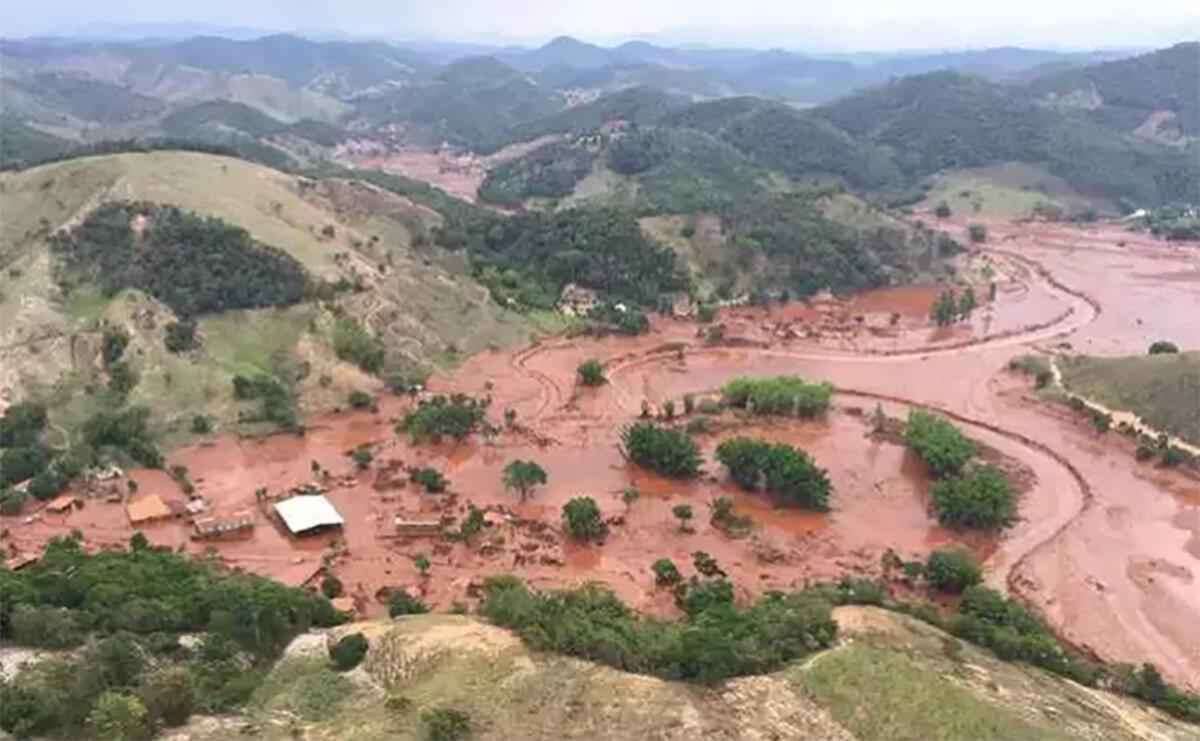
[22, 143]
[419, 302]
[1161, 389]
[890, 678]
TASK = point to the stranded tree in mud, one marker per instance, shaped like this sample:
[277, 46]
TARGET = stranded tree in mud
[662, 450]
[523, 476]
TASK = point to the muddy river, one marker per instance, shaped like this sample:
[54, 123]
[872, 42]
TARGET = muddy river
[1107, 549]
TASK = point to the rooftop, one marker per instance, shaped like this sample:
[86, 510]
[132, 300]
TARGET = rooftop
[308, 512]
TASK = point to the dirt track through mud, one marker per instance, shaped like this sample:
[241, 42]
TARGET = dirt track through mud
[1107, 549]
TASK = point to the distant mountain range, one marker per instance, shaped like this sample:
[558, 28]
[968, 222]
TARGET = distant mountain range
[1112, 125]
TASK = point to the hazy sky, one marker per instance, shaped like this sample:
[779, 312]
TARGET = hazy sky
[840, 25]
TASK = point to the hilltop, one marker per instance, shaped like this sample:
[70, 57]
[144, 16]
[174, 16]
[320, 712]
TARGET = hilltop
[921, 682]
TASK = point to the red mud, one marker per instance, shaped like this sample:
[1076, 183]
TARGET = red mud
[1108, 550]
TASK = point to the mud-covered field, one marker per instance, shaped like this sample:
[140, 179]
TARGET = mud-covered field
[1108, 549]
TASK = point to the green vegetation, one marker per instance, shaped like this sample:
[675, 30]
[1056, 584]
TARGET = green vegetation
[456, 416]
[21, 144]
[1160, 389]
[402, 603]
[782, 395]
[354, 344]
[550, 171]
[666, 574]
[684, 513]
[662, 450]
[430, 478]
[348, 652]
[582, 518]
[276, 398]
[446, 724]
[978, 233]
[193, 264]
[952, 570]
[788, 474]
[939, 443]
[591, 373]
[180, 337]
[981, 499]
[523, 476]
[529, 258]
[1174, 223]
[710, 645]
[360, 400]
[1163, 347]
[130, 607]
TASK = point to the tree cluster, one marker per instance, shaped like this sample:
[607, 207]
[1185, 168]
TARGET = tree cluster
[788, 474]
[196, 265]
[782, 395]
[663, 450]
[455, 416]
[940, 444]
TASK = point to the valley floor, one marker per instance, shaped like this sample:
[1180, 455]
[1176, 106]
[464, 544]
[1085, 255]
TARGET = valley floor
[1106, 548]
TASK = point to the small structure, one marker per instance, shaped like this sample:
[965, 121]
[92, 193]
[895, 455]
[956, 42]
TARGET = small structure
[209, 528]
[307, 512]
[147, 509]
[577, 300]
[418, 528]
[196, 507]
[63, 504]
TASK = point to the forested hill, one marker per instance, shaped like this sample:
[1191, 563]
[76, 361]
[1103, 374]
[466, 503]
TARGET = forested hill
[1124, 93]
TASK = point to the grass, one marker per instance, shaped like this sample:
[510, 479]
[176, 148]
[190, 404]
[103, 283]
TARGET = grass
[1161, 389]
[1005, 191]
[306, 687]
[881, 693]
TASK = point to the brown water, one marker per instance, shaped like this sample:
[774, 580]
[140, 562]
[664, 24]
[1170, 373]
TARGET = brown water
[1107, 549]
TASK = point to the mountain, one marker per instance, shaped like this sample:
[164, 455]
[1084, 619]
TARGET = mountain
[565, 51]
[1159, 91]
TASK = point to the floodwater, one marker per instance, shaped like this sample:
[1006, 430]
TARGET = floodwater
[1107, 549]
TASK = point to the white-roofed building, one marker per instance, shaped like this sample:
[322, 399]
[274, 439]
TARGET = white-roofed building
[305, 513]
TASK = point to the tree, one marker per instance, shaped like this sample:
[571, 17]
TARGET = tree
[583, 520]
[348, 652]
[745, 458]
[983, 499]
[967, 303]
[430, 478]
[684, 513]
[706, 565]
[940, 444]
[523, 476]
[945, 309]
[1162, 347]
[668, 452]
[472, 525]
[180, 337]
[201, 425]
[402, 603]
[421, 561]
[952, 570]
[943, 210]
[456, 416]
[120, 717]
[362, 457]
[978, 233]
[331, 586]
[666, 574]
[168, 695]
[360, 400]
[790, 475]
[591, 373]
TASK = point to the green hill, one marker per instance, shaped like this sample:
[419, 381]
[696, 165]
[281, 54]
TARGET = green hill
[22, 143]
[1122, 94]
[367, 245]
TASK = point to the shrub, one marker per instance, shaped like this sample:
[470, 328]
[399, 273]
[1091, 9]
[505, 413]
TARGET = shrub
[402, 603]
[952, 570]
[331, 587]
[168, 695]
[591, 373]
[782, 395]
[11, 502]
[666, 574]
[981, 499]
[940, 444]
[354, 344]
[348, 652]
[706, 565]
[977, 232]
[683, 513]
[716, 641]
[705, 313]
[1162, 347]
[112, 345]
[201, 425]
[582, 518]
[360, 400]
[362, 457]
[668, 452]
[523, 476]
[180, 337]
[943, 210]
[446, 724]
[430, 478]
[456, 416]
[22, 424]
[120, 717]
